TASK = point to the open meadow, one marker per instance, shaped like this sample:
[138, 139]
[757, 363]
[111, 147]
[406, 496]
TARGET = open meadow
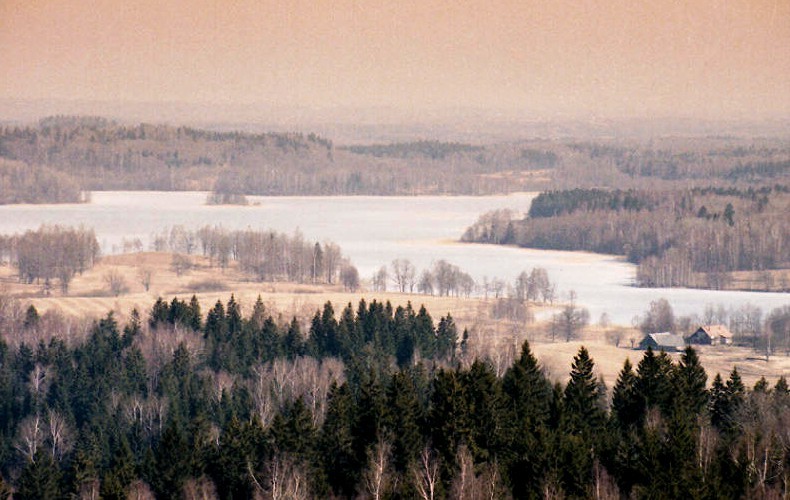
[90, 296]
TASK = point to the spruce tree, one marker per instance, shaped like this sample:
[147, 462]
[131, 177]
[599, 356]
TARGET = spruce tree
[690, 381]
[654, 382]
[487, 418]
[40, 479]
[583, 409]
[529, 397]
[337, 442]
[195, 316]
[625, 408]
[448, 418]
[719, 403]
[172, 458]
[403, 422]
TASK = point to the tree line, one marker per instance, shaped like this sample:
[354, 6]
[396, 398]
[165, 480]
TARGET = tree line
[446, 279]
[20, 183]
[229, 405]
[265, 255]
[51, 254]
[678, 238]
[100, 154]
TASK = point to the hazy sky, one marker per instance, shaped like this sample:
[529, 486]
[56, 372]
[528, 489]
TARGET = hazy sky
[569, 58]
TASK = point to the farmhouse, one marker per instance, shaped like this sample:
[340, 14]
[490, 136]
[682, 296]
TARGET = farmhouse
[711, 335]
[664, 341]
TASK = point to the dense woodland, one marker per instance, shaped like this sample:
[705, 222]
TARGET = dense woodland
[21, 183]
[99, 154]
[678, 237]
[373, 402]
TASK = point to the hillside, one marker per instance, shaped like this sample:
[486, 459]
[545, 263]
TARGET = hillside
[104, 155]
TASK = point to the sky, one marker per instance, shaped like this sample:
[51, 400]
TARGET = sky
[557, 58]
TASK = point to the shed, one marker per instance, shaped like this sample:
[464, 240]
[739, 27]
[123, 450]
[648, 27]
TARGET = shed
[663, 341]
[711, 335]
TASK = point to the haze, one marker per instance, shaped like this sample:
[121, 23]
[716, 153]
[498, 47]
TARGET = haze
[708, 59]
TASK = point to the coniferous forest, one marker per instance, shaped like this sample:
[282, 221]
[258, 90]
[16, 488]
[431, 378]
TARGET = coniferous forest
[366, 402]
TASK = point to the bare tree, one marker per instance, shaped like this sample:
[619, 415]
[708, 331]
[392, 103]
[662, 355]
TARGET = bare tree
[115, 282]
[181, 264]
[30, 437]
[139, 490]
[379, 280]
[59, 435]
[376, 479]
[425, 474]
[425, 286]
[463, 484]
[284, 480]
[201, 488]
[89, 489]
[332, 259]
[659, 318]
[403, 275]
[145, 274]
[349, 276]
[572, 318]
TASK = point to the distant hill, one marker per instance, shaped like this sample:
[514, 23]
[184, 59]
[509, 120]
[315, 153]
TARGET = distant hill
[104, 155]
[100, 154]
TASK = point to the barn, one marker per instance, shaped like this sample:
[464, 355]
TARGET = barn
[711, 335]
[663, 341]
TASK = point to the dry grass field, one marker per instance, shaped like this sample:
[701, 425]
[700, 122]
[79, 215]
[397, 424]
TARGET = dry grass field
[90, 296]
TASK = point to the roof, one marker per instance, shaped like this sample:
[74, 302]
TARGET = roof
[666, 339]
[717, 331]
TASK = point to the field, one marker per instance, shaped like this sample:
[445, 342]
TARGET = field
[90, 296]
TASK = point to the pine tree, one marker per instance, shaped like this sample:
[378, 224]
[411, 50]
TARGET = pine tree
[719, 405]
[425, 334]
[172, 458]
[31, 318]
[487, 418]
[404, 421]
[121, 474]
[446, 338]
[625, 407]
[234, 456]
[581, 426]
[349, 339]
[654, 382]
[761, 386]
[159, 313]
[294, 342]
[258, 315]
[40, 479]
[132, 329]
[316, 338]
[371, 415]
[530, 398]
[195, 316]
[448, 418]
[583, 410]
[337, 442]
[329, 328]
[690, 381]
[233, 318]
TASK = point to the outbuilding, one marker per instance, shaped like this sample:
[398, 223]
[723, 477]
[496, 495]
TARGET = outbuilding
[663, 341]
[711, 335]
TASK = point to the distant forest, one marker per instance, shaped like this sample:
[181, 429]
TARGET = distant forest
[98, 154]
[373, 402]
[687, 237]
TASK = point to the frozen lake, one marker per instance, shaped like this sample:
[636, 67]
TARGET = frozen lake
[373, 231]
